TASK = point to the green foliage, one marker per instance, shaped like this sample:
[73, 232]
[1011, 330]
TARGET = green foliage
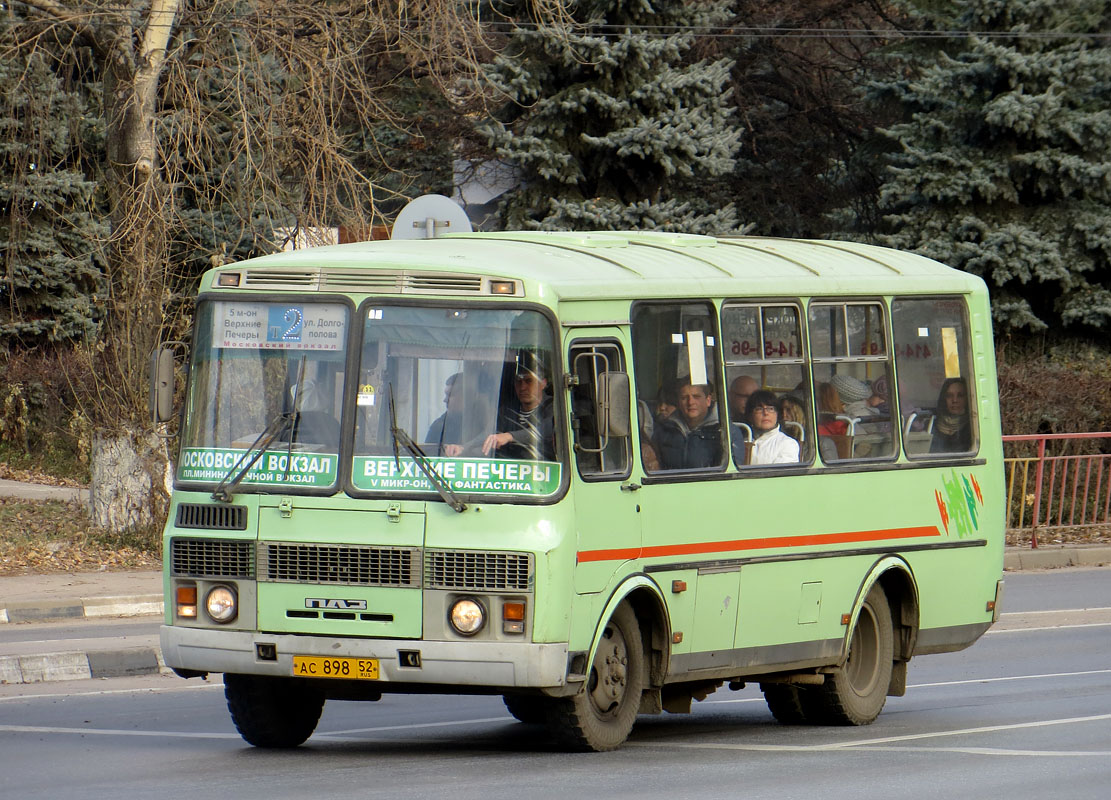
[1002, 165]
[50, 220]
[607, 118]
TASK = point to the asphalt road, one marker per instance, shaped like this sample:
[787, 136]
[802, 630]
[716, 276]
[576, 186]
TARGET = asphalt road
[1023, 714]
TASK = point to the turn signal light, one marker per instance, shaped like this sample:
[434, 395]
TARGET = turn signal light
[187, 601]
[513, 617]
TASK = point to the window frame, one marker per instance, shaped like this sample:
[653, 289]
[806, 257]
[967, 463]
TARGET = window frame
[714, 316]
[572, 356]
[965, 351]
[887, 357]
[806, 451]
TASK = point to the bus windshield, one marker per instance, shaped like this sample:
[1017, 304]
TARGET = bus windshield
[266, 375]
[471, 386]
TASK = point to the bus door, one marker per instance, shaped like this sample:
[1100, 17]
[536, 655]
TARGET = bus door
[602, 426]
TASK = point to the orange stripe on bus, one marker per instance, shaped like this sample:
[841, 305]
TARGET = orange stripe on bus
[739, 545]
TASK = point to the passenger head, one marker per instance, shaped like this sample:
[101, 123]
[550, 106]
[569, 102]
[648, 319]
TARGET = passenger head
[695, 402]
[453, 392]
[740, 390]
[952, 400]
[530, 379]
[828, 399]
[762, 411]
[850, 389]
[667, 400]
[791, 409]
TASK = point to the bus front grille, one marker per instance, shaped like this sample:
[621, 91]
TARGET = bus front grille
[478, 571]
[211, 516]
[351, 565]
[212, 558]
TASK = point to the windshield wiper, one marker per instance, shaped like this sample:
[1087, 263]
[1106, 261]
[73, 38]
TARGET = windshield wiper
[275, 428]
[406, 441]
[279, 425]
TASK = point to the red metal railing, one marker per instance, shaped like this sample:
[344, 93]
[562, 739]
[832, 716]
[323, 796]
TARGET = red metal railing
[1049, 487]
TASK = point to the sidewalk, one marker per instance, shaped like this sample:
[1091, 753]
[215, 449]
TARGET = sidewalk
[90, 595]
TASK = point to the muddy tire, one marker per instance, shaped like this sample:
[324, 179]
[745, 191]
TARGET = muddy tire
[272, 712]
[788, 704]
[855, 693]
[601, 716]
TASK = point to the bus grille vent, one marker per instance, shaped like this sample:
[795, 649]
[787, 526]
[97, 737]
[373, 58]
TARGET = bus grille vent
[212, 558]
[444, 284]
[211, 517]
[281, 278]
[478, 571]
[400, 282]
[339, 564]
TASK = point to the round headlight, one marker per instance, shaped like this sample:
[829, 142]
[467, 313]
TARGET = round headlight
[220, 604]
[467, 616]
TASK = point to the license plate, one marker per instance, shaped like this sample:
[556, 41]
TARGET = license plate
[344, 667]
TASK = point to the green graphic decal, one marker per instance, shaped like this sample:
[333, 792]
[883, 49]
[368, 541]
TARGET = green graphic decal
[959, 504]
[535, 478]
[274, 467]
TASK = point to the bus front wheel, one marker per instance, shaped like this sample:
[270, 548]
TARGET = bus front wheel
[272, 712]
[601, 716]
[529, 710]
[855, 693]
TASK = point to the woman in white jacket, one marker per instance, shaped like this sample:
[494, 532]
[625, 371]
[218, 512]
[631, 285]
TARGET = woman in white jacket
[770, 445]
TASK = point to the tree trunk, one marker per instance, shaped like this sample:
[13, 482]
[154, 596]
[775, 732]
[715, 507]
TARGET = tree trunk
[130, 485]
[129, 464]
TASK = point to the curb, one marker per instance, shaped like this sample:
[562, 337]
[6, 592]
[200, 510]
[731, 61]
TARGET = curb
[75, 666]
[83, 608]
[1055, 557]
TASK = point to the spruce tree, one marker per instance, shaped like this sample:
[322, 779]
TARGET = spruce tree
[607, 118]
[1002, 165]
[51, 264]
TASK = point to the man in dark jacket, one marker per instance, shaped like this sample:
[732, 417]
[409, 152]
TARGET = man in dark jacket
[526, 427]
[691, 437]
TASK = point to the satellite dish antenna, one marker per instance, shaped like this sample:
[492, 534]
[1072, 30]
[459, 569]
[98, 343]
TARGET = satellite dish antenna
[429, 216]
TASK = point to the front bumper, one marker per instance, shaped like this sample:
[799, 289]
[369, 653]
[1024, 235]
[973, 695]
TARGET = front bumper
[497, 665]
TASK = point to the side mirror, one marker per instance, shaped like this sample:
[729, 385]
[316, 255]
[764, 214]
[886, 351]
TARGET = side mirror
[161, 397]
[613, 398]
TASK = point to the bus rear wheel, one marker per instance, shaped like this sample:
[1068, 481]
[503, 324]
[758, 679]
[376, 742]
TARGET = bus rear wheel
[272, 712]
[602, 715]
[855, 693]
[788, 704]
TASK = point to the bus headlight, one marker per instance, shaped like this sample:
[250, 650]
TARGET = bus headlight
[220, 604]
[467, 616]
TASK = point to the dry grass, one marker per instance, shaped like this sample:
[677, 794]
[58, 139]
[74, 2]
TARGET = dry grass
[52, 536]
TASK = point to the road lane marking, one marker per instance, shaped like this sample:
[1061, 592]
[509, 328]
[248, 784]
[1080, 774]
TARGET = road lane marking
[908, 737]
[965, 682]
[1054, 611]
[1010, 678]
[1048, 628]
[418, 725]
[883, 743]
[111, 732]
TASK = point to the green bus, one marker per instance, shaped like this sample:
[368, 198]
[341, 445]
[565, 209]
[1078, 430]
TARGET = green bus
[599, 474]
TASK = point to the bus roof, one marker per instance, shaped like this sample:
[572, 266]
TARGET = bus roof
[613, 265]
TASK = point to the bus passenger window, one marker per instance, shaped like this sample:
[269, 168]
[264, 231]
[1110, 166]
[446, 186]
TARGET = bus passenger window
[851, 365]
[675, 352]
[934, 365]
[770, 422]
